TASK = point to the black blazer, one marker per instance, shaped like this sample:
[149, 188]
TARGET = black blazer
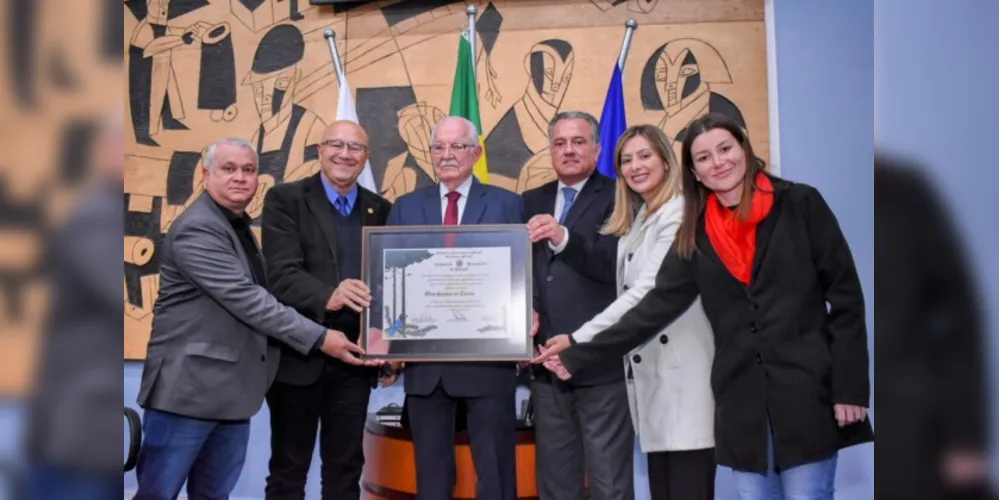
[299, 241]
[778, 351]
[566, 297]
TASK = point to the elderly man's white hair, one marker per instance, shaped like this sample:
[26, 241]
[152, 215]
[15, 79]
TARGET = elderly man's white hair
[472, 131]
[231, 141]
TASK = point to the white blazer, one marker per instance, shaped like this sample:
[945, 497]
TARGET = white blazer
[670, 397]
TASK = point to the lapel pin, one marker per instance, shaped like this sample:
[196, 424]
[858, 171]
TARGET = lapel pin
[371, 210]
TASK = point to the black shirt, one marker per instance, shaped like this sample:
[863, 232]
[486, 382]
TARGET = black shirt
[241, 225]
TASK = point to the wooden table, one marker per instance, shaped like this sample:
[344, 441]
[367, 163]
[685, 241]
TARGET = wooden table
[390, 465]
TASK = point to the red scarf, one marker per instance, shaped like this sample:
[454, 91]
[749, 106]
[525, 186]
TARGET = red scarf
[734, 240]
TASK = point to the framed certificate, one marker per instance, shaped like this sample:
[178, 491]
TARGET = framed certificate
[447, 293]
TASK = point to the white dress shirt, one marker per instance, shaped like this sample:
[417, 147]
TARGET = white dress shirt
[559, 205]
[463, 190]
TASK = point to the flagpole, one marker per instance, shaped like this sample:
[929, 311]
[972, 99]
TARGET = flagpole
[330, 36]
[471, 10]
[629, 29]
[345, 108]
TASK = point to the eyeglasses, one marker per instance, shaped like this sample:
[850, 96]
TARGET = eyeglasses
[438, 149]
[353, 147]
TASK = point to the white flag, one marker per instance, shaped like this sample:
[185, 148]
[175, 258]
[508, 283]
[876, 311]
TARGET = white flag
[345, 110]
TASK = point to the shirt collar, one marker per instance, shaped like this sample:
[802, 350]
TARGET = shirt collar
[577, 186]
[232, 217]
[463, 189]
[332, 194]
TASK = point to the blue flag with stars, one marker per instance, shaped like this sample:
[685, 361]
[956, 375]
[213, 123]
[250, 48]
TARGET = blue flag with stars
[612, 124]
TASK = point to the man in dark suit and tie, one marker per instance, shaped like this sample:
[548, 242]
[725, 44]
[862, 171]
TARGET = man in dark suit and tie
[312, 240]
[583, 426]
[487, 389]
[209, 362]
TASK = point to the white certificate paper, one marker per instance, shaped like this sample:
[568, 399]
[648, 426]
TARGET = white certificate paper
[447, 293]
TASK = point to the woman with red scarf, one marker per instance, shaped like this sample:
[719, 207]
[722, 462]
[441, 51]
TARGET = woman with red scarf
[778, 284]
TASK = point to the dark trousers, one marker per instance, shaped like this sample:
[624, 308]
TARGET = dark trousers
[682, 475]
[335, 405]
[492, 434]
[583, 432]
[208, 454]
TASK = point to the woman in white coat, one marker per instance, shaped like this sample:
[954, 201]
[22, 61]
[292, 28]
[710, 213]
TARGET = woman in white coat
[668, 378]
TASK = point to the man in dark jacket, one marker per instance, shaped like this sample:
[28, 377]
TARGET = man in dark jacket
[312, 239]
[583, 425]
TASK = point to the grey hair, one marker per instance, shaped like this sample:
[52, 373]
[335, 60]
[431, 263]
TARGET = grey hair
[572, 115]
[473, 131]
[232, 141]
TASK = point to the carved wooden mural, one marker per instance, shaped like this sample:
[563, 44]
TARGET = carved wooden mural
[200, 70]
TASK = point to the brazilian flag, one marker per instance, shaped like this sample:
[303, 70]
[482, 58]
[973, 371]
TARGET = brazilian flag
[465, 100]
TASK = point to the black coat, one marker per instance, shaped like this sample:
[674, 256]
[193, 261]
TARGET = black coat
[299, 241]
[779, 352]
[566, 297]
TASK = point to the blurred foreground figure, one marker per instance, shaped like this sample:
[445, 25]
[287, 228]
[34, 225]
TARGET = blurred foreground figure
[929, 347]
[75, 424]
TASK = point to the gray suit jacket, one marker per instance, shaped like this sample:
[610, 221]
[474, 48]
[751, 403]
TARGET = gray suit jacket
[74, 413]
[208, 353]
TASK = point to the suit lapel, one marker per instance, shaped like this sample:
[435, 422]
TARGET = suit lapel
[432, 207]
[475, 206]
[635, 237]
[260, 252]
[209, 206]
[319, 205]
[584, 199]
[550, 196]
[766, 229]
[627, 244]
[706, 249]
[369, 207]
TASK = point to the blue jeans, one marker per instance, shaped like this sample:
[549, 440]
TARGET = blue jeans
[48, 482]
[812, 481]
[208, 455]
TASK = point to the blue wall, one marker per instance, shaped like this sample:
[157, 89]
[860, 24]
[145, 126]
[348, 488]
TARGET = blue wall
[825, 71]
[825, 74]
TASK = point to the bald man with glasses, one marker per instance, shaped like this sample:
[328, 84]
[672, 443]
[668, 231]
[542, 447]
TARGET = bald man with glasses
[312, 241]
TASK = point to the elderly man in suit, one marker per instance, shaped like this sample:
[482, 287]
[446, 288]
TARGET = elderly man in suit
[209, 362]
[312, 242]
[487, 389]
[583, 426]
